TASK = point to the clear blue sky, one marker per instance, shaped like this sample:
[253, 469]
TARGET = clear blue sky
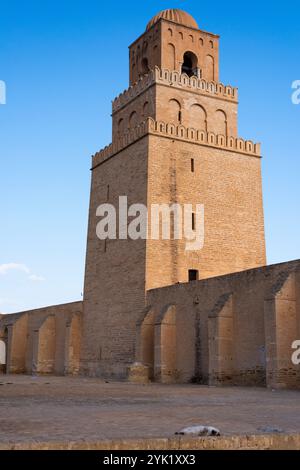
[63, 62]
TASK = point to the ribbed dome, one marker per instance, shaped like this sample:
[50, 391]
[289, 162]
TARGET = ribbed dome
[175, 15]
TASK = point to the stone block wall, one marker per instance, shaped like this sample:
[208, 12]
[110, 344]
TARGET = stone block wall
[43, 341]
[238, 329]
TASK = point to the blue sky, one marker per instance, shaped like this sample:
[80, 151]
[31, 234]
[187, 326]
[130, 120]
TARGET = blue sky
[63, 62]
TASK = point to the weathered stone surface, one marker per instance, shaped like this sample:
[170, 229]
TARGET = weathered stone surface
[40, 412]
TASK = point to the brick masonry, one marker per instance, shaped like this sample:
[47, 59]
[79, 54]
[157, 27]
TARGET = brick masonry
[174, 140]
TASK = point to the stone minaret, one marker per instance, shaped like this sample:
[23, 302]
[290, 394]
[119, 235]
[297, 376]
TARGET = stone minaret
[174, 141]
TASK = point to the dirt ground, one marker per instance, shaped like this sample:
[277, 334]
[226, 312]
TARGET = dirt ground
[64, 408]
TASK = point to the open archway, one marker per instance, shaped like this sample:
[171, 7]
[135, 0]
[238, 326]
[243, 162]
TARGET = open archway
[2, 356]
[3, 350]
[145, 66]
[190, 64]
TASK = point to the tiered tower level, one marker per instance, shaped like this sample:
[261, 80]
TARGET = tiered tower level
[174, 141]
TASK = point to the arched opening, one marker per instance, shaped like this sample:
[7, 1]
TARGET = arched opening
[145, 66]
[220, 122]
[190, 64]
[45, 347]
[175, 115]
[198, 117]
[209, 68]
[171, 57]
[121, 127]
[145, 46]
[72, 346]
[165, 367]
[3, 351]
[2, 356]
[133, 120]
[146, 341]
[146, 110]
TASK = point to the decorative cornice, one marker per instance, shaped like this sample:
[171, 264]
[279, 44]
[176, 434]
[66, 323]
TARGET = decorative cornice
[176, 80]
[181, 133]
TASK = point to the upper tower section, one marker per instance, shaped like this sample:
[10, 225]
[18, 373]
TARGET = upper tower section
[173, 41]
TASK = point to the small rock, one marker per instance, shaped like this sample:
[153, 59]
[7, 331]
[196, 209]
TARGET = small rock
[199, 431]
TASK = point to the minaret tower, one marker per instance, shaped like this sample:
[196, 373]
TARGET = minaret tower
[174, 141]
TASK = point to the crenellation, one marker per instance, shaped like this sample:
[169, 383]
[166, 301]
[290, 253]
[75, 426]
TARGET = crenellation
[176, 80]
[179, 132]
[214, 314]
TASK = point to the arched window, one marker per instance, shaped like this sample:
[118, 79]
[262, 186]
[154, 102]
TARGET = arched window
[174, 111]
[220, 123]
[190, 64]
[121, 126]
[2, 353]
[145, 66]
[198, 117]
[171, 57]
[133, 120]
[146, 109]
[209, 68]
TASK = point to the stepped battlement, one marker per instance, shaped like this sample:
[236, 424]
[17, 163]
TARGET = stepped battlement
[176, 80]
[170, 130]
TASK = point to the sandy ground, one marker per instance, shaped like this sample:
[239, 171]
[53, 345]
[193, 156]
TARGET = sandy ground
[63, 408]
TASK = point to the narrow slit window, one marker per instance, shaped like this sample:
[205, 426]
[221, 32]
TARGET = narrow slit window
[193, 221]
[192, 165]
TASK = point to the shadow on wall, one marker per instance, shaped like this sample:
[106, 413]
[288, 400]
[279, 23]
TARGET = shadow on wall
[234, 329]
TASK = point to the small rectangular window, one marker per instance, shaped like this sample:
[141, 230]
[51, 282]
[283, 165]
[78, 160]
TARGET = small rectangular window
[192, 165]
[193, 275]
[193, 221]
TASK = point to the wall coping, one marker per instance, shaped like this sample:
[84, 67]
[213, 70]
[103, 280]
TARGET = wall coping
[177, 132]
[176, 80]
